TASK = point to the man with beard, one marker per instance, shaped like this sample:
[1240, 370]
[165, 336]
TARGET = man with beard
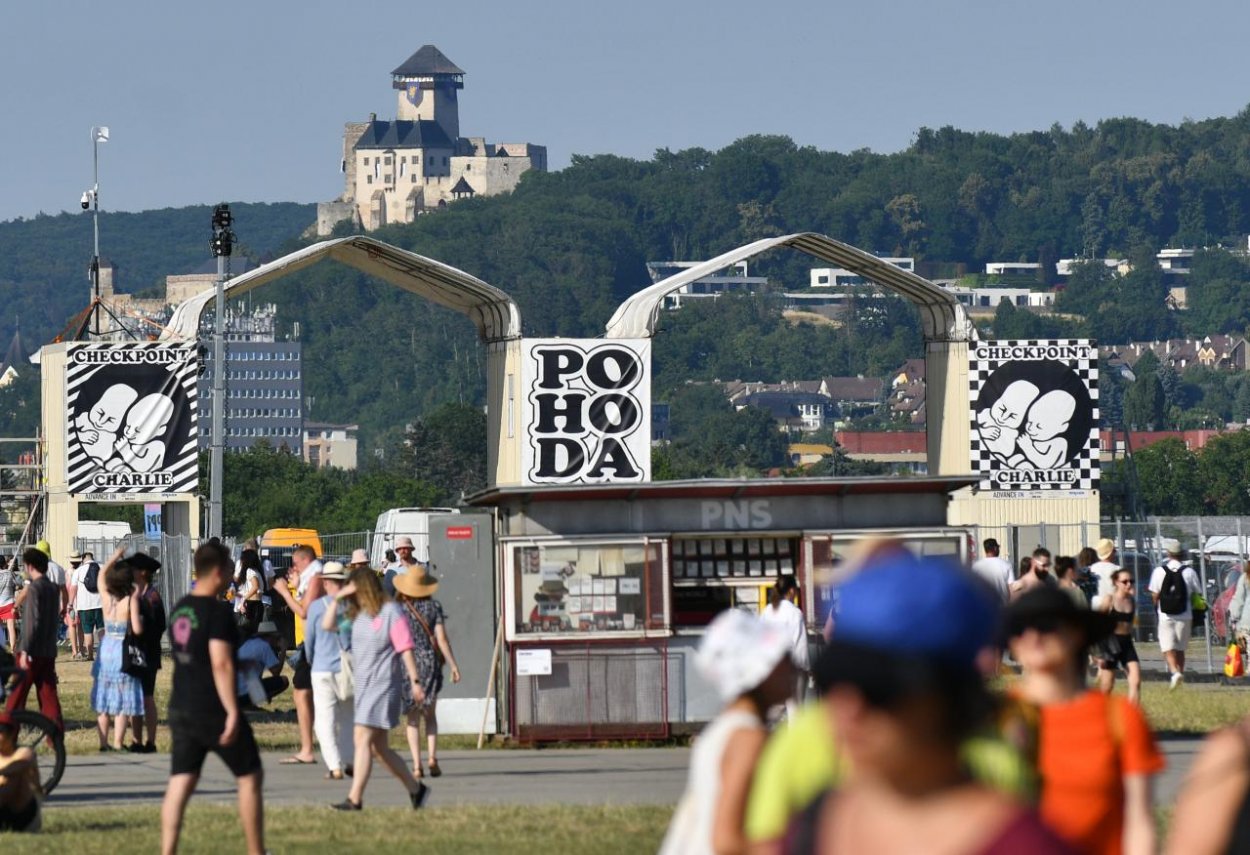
[1038, 575]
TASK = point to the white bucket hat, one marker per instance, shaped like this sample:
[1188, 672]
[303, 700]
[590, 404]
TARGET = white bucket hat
[738, 653]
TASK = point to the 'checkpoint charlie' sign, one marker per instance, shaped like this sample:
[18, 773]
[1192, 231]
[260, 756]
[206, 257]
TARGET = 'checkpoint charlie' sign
[587, 411]
[1034, 414]
[130, 410]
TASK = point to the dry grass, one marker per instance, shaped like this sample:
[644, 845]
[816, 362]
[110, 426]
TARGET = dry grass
[214, 828]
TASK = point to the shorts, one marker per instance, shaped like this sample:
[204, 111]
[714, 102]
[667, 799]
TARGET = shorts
[7, 612]
[148, 680]
[1173, 633]
[26, 819]
[91, 620]
[194, 737]
[1116, 652]
[302, 678]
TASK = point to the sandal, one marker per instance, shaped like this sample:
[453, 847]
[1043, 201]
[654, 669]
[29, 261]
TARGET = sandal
[293, 760]
[418, 772]
[435, 771]
[334, 775]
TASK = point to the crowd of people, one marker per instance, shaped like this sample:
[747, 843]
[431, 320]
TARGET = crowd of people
[366, 648]
[953, 713]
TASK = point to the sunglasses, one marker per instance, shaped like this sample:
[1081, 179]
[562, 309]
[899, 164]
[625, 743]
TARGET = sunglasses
[1128, 582]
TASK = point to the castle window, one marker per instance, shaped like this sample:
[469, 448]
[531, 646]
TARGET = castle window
[366, 161]
[388, 161]
[468, 167]
[414, 178]
[368, 179]
[444, 161]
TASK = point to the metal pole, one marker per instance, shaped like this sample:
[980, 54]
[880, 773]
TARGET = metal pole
[95, 221]
[1206, 630]
[219, 404]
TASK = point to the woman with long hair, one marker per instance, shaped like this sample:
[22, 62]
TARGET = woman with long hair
[427, 623]
[380, 642]
[114, 692]
[1117, 650]
[784, 613]
[249, 585]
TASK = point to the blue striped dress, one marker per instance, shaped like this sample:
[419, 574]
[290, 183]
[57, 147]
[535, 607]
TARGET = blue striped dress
[377, 642]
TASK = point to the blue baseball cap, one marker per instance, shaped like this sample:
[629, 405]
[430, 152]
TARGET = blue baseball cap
[916, 607]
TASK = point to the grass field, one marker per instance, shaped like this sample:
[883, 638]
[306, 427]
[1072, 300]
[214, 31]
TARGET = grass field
[214, 828]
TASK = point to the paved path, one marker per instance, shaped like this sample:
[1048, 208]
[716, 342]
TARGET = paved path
[495, 776]
[499, 776]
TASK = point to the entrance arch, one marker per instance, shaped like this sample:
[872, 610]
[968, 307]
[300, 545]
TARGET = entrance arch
[947, 331]
[493, 312]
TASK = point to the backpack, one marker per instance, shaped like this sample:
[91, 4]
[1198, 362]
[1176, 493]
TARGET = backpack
[91, 581]
[1173, 593]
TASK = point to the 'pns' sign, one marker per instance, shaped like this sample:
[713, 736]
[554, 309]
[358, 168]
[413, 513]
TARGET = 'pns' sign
[587, 411]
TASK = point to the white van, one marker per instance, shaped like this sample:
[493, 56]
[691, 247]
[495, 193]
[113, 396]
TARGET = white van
[413, 522]
[103, 530]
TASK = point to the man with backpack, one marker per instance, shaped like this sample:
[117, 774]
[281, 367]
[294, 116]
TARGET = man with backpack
[1171, 586]
[87, 603]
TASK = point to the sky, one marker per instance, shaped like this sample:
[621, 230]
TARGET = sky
[245, 101]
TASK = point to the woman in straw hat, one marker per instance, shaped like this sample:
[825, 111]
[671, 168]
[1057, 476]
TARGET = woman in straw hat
[428, 625]
[380, 637]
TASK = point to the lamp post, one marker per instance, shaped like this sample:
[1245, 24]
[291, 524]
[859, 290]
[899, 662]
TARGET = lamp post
[222, 245]
[91, 199]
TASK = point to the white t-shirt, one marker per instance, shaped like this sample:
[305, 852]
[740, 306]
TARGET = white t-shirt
[789, 618]
[84, 600]
[1104, 570]
[306, 577]
[56, 574]
[1192, 582]
[997, 574]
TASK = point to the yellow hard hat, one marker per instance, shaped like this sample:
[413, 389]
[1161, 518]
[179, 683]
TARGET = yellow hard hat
[44, 547]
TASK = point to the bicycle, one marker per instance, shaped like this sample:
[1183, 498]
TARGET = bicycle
[38, 733]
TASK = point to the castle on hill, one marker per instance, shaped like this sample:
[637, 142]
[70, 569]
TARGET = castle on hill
[396, 170]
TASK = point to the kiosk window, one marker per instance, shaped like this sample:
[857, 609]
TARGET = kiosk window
[581, 588]
[732, 557]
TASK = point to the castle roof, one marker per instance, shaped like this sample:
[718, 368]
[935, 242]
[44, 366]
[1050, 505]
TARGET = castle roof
[426, 62]
[404, 134]
[463, 186]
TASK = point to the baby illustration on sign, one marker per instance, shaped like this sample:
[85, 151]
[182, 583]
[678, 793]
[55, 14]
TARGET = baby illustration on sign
[98, 427]
[1042, 445]
[139, 449]
[999, 425]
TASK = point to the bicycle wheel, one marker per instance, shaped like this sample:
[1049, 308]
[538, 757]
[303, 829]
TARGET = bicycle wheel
[39, 734]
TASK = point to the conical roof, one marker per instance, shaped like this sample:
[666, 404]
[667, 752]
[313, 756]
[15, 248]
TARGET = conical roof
[16, 354]
[426, 62]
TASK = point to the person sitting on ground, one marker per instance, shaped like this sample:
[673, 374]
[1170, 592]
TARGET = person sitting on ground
[257, 655]
[903, 696]
[748, 663]
[1095, 752]
[20, 795]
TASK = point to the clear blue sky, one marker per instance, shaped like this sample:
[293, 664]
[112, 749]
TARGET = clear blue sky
[220, 99]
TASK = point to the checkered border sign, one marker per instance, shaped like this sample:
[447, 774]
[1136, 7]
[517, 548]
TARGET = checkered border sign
[981, 368]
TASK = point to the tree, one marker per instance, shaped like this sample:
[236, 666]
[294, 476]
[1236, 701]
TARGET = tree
[1167, 475]
[1144, 403]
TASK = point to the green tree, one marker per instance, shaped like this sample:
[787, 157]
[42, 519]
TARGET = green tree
[1144, 403]
[1167, 475]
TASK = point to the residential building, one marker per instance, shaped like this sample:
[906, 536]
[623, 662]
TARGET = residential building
[837, 277]
[264, 384]
[1219, 352]
[905, 452]
[735, 279]
[1065, 266]
[854, 396]
[396, 170]
[327, 445]
[803, 454]
[1013, 268]
[16, 359]
[989, 298]
[795, 411]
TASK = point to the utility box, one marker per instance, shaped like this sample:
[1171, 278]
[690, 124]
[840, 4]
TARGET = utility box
[462, 555]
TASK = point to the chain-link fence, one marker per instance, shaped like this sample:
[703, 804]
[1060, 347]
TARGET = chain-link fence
[173, 551]
[339, 547]
[1216, 548]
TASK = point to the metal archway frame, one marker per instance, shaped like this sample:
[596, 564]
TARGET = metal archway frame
[493, 312]
[943, 317]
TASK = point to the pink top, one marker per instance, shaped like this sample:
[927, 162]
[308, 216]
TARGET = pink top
[401, 636]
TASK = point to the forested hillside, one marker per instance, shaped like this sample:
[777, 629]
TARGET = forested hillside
[571, 245]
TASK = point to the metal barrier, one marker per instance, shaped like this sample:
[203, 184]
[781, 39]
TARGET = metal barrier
[173, 551]
[339, 547]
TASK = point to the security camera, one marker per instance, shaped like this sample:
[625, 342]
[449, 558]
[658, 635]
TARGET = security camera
[86, 200]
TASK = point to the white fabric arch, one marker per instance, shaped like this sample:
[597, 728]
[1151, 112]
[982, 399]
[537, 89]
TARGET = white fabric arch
[942, 316]
[493, 312]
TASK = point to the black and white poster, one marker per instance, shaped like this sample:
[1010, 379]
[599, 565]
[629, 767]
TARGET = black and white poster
[131, 418]
[586, 411]
[1034, 414]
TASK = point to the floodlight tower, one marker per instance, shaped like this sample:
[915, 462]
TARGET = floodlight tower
[222, 245]
[91, 199]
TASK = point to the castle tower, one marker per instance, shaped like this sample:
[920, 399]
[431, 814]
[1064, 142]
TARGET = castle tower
[427, 83]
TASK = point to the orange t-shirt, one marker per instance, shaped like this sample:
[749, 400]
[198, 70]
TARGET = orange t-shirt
[1085, 748]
